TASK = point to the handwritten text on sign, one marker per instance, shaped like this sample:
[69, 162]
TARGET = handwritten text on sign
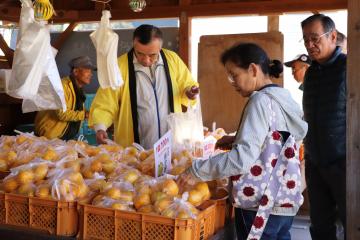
[162, 154]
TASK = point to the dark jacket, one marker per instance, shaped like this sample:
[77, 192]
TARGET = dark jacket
[324, 104]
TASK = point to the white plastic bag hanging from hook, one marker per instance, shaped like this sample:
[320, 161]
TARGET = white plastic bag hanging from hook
[35, 76]
[106, 41]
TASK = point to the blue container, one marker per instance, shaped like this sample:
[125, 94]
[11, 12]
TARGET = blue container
[88, 101]
[88, 133]
[26, 128]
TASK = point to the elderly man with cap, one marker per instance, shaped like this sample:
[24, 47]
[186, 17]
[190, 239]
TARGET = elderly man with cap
[299, 65]
[66, 124]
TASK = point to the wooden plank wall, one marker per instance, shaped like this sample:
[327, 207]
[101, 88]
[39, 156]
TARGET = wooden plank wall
[353, 123]
[219, 101]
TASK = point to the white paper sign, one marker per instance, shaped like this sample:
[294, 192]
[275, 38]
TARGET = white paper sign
[162, 154]
[208, 146]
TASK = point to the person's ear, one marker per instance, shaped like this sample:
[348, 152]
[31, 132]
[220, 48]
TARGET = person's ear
[75, 72]
[333, 36]
[253, 69]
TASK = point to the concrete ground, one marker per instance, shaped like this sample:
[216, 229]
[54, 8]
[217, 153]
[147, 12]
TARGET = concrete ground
[299, 230]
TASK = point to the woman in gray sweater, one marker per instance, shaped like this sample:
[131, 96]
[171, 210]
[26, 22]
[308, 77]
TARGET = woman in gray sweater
[250, 70]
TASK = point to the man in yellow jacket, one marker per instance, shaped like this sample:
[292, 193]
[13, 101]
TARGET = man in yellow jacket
[156, 83]
[66, 125]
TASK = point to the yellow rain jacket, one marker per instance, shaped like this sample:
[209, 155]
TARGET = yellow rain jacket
[114, 106]
[54, 123]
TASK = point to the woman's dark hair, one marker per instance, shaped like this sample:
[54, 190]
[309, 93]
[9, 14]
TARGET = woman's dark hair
[243, 54]
[145, 33]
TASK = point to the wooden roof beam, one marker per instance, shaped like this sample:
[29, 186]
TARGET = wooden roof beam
[64, 35]
[9, 53]
[4, 64]
[220, 9]
[192, 10]
[265, 8]
[184, 2]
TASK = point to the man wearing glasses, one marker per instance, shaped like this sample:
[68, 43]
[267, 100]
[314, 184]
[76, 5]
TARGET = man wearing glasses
[156, 83]
[324, 104]
[299, 65]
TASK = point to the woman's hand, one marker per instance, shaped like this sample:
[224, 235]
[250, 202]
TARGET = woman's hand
[225, 143]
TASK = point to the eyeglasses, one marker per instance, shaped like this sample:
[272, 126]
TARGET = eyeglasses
[314, 39]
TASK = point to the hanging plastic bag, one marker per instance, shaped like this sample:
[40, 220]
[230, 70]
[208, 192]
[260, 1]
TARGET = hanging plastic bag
[187, 128]
[50, 93]
[34, 76]
[105, 41]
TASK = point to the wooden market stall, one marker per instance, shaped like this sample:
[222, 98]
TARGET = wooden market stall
[77, 11]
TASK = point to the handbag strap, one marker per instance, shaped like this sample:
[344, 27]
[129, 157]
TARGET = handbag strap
[273, 185]
[272, 127]
[267, 202]
[272, 99]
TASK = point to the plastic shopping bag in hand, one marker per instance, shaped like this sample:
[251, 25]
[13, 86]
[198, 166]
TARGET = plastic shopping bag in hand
[35, 77]
[105, 41]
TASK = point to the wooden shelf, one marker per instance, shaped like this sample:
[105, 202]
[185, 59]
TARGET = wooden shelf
[6, 99]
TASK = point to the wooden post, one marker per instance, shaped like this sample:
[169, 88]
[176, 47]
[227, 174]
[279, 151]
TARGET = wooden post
[99, 6]
[353, 123]
[4, 63]
[184, 38]
[64, 35]
[9, 53]
[273, 23]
